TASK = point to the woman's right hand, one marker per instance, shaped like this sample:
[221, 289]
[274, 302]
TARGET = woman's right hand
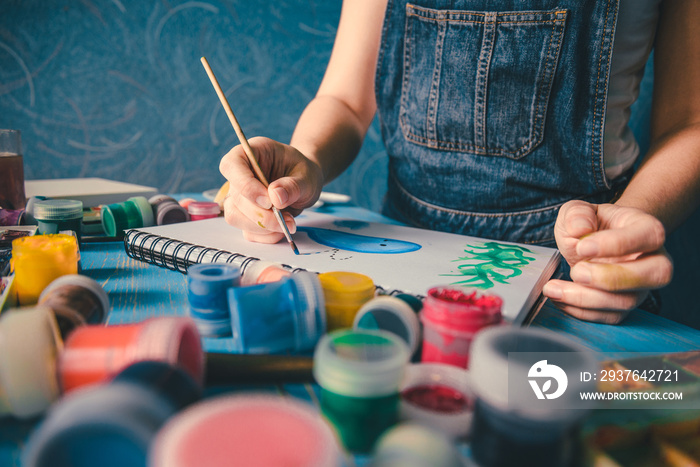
[295, 184]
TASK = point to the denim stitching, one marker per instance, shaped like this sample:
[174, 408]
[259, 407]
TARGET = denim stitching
[482, 79]
[456, 146]
[431, 116]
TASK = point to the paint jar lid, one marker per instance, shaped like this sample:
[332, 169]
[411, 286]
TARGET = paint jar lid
[438, 395]
[415, 445]
[87, 283]
[58, 209]
[29, 345]
[171, 213]
[145, 210]
[203, 208]
[255, 430]
[120, 216]
[506, 355]
[258, 272]
[390, 314]
[461, 308]
[310, 323]
[107, 425]
[348, 288]
[360, 363]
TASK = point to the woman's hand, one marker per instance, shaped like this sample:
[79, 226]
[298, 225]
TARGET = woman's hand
[295, 184]
[616, 256]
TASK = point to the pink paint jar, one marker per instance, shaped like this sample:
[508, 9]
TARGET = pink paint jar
[95, 354]
[451, 318]
[254, 430]
[200, 210]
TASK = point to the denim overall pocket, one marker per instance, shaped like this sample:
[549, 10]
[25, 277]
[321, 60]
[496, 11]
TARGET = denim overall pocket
[478, 82]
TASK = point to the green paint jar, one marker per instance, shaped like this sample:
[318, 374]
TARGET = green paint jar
[359, 373]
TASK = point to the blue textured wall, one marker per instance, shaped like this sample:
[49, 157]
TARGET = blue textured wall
[115, 89]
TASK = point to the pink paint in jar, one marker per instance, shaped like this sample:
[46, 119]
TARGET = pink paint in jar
[451, 317]
[200, 210]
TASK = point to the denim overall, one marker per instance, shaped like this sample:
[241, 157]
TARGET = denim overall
[492, 112]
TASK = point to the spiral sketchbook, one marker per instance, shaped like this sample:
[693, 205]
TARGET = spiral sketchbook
[397, 258]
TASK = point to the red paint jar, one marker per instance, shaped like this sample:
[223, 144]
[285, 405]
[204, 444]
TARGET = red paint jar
[451, 318]
[95, 354]
[200, 210]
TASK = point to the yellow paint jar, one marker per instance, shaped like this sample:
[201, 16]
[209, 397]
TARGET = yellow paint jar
[38, 260]
[345, 293]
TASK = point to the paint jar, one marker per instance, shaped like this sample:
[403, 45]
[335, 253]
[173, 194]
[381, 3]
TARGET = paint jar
[398, 315]
[345, 293]
[185, 202]
[207, 293]
[413, 445]
[95, 354]
[199, 210]
[254, 430]
[510, 423]
[29, 346]
[451, 317]
[133, 213]
[167, 211]
[359, 373]
[287, 315]
[40, 259]
[75, 300]
[438, 395]
[260, 272]
[58, 215]
[111, 425]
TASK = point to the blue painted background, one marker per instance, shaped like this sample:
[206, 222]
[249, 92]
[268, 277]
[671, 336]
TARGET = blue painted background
[115, 88]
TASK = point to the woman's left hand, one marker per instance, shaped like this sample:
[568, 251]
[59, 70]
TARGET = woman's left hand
[616, 255]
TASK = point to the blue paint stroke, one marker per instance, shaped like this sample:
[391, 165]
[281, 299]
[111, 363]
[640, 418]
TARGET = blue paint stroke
[358, 243]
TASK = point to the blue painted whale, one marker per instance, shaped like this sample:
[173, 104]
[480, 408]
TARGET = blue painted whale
[359, 243]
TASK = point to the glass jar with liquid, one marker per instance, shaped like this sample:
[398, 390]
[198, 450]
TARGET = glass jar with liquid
[11, 171]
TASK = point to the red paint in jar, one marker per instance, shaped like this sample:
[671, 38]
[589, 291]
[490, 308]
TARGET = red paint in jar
[438, 398]
[451, 317]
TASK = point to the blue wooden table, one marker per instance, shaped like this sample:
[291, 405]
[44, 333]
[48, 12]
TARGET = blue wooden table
[138, 291]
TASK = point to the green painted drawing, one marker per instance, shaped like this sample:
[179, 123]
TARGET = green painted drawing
[492, 262]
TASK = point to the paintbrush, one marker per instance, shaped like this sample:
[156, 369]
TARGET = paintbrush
[248, 150]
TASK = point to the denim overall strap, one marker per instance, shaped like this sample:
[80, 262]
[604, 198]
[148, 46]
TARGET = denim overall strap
[492, 112]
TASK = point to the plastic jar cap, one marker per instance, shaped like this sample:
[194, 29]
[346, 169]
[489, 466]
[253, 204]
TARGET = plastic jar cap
[491, 369]
[171, 213]
[390, 314]
[415, 445]
[311, 323]
[58, 209]
[214, 272]
[203, 208]
[119, 217]
[360, 363]
[145, 210]
[85, 282]
[346, 287]
[28, 383]
[454, 424]
[256, 430]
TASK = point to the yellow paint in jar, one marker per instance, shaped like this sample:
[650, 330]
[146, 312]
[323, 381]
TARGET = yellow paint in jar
[345, 293]
[38, 260]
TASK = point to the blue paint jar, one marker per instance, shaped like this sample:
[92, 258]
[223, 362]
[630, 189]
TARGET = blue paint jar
[207, 293]
[288, 314]
[111, 425]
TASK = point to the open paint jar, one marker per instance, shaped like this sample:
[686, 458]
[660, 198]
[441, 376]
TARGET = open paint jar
[451, 318]
[207, 293]
[76, 300]
[95, 354]
[57, 215]
[200, 210]
[286, 315]
[438, 395]
[252, 430]
[113, 424]
[510, 369]
[359, 373]
[38, 260]
[345, 293]
[260, 272]
[29, 346]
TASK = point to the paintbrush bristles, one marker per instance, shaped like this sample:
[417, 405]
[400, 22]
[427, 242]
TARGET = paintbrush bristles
[234, 122]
